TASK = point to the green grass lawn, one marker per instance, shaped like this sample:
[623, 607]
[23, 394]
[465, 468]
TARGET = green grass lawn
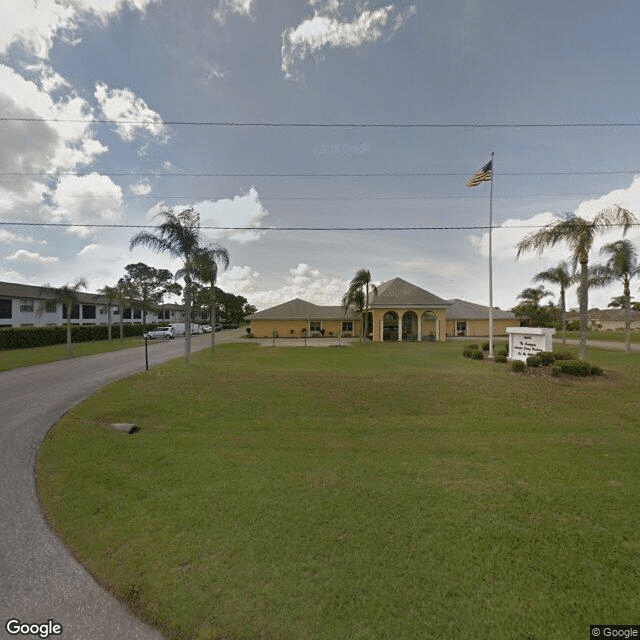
[382, 491]
[14, 358]
[614, 336]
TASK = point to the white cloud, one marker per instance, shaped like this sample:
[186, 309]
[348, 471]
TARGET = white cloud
[326, 30]
[22, 255]
[302, 281]
[228, 7]
[87, 199]
[36, 24]
[123, 104]
[10, 237]
[141, 188]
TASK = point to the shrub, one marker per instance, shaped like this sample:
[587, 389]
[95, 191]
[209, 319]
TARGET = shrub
[579, 368]
[476, 354]
[563, 355]
[546, 358]
[518, 366]
[471, 350]
[503, 352]
[472, 346]
[485, 346]
[534, 361]
[501, 358]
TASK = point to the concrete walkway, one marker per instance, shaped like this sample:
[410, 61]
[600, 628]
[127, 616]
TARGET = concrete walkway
[39, 579]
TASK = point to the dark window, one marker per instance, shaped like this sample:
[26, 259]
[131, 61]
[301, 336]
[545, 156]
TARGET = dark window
[5, 308]
[137, 314]
[315, 325]
[89, 311]
[50, 306]
[126, 314]
[75, 311]
[347, 326]
[26, 305]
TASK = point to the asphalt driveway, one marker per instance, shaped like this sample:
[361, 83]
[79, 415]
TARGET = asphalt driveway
[39, 579]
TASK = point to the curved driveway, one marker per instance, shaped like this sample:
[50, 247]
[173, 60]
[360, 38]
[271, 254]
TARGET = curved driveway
[39, 579]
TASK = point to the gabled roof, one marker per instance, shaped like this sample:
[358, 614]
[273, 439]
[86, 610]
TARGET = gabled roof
[299, 309]
[400, 293]
[463, 310]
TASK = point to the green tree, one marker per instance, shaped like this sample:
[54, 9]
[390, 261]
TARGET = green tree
[179, 236]
[111, 294]
[207, 262]
[360, 282]
[168, 289]
[530, 309]
[579, 234]
[622, 266]
[145, 285]
[563, 278]
[67, 295]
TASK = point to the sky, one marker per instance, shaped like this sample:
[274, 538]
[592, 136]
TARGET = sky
[112, 111]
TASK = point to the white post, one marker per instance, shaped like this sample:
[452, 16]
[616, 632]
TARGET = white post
[419, 327]
[493, 173]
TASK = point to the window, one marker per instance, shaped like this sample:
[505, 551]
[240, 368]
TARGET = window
[89, 311]
[347, 327]
[116, 310]
[50, 306]
[75, 311]
[26, 305]
[315, 325]
[5, 308]
[461, 327]
[103, 311]
[126, 313]
[137, 314]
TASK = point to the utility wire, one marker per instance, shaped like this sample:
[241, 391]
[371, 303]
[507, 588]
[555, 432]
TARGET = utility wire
[359, 125]
[224, 228]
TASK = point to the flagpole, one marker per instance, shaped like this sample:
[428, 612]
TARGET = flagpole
[493, 173]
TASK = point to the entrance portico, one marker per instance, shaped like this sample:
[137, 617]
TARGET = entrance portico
[403, 311]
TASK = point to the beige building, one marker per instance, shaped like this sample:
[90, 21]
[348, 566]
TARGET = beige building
[607, 319]
[400, 312]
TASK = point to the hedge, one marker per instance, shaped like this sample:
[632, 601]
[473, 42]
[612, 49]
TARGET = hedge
[27, 337]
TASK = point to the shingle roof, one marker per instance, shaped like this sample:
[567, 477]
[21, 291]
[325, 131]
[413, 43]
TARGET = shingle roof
[400, 293]
[16, 290]
[301, 310]
[463, 310]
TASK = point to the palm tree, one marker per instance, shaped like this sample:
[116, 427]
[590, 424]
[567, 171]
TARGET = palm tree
[111, 294]
[622, 266]
[561, 276]
[361, 282]
[354, 298]
[67, 295]
[179, 236]
[579, 234]
[206, 264]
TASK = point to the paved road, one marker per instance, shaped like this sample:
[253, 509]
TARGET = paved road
[598, 344]
[39, 579]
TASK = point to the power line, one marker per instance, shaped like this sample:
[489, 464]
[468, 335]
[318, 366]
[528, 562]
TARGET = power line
[224, 228]
[381, 174]
[358, 125]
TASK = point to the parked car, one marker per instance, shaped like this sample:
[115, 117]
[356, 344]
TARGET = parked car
[218, 326]
[161, 333]
[206, 328]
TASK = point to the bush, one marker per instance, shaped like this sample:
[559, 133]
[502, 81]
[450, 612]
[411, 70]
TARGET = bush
[563, 355]
[579, 368]
[503, 352]
[476, 354]
[471, 351]
[501, 358]
[546, 358]
[534, 361]
[485, 346]
[518, 366]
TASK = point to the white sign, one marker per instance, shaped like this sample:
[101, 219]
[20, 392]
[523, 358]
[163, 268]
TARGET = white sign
[527, 341]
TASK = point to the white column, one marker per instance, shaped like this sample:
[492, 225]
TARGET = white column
[399, 328]
[419, 327]
[437, 327]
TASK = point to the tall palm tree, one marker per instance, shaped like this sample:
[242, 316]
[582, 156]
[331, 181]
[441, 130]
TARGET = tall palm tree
[179, 236]
[354, 298]
[67, 295]
[111, 294]
[207, 262]
[561, 276]
[622, 266]
[579, 234]
[361, 282]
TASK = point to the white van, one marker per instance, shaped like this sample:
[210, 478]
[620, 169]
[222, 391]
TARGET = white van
[179, 328]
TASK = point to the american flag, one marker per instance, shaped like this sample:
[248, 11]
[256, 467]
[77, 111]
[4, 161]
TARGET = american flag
[481, 175]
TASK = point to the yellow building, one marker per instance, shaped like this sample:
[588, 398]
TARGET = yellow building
[400, 312]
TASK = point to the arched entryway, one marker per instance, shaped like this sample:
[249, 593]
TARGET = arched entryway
[390, 324]
[410, 326]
